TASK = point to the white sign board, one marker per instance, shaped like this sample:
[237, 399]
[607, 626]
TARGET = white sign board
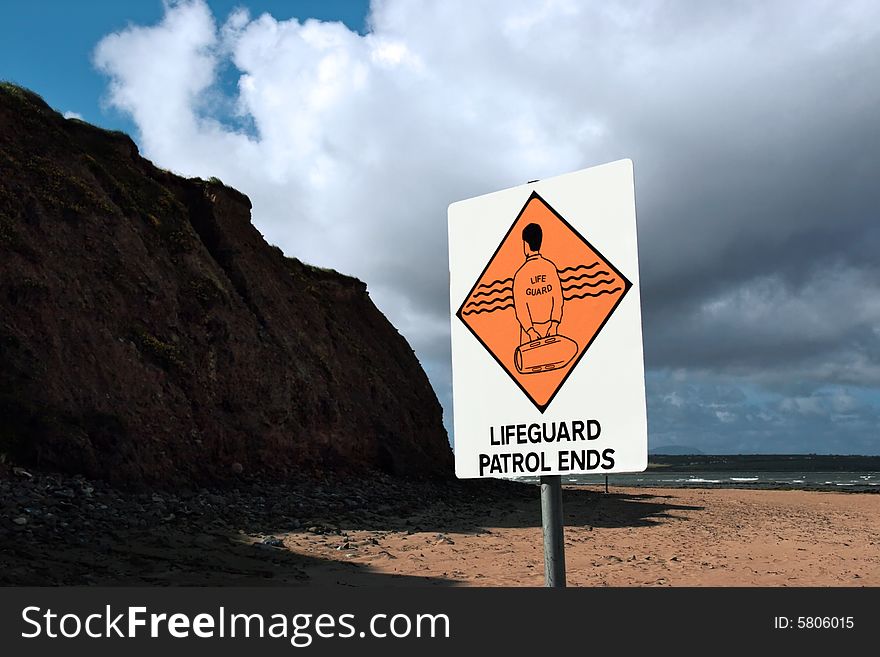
[547, 366]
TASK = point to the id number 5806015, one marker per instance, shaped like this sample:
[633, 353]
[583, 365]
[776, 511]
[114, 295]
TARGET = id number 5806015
[814, 623]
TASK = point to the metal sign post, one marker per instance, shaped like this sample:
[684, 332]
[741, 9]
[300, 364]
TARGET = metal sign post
[551, 518]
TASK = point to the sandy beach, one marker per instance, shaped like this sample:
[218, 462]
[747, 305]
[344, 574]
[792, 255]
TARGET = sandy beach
[386, 532]
[645, 537]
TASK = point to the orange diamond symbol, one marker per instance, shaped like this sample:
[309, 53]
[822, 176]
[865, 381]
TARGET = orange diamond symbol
[542, 299]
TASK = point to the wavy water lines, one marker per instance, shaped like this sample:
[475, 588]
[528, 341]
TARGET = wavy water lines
[489, 302]
[591, 294]
[565, 269]
[485, 310]
[579, 276]
[494, 283]
[497, 295]
[596, 284]
[506, 288]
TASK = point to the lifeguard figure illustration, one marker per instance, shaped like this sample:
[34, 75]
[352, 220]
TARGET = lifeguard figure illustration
[537, 292]
[538, 302]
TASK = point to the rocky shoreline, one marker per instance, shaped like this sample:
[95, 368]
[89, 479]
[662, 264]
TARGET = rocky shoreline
[69, 530]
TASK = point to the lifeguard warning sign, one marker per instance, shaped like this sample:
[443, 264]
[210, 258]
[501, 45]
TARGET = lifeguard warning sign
[548, 372]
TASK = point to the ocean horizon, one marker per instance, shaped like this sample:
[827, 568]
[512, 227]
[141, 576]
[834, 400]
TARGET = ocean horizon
[829, 481]
[849, 473]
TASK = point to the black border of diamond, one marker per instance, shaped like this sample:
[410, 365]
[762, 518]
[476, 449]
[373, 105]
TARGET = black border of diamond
[626, 288]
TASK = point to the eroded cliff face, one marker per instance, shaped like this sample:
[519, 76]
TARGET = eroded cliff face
[150, 335]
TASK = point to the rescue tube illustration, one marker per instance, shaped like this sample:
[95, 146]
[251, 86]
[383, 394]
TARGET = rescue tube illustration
[544, 355]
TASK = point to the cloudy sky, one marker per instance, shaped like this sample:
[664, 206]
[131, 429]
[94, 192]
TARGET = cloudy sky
[754, 128]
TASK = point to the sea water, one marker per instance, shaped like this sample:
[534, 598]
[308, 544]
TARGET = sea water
[846, 481]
